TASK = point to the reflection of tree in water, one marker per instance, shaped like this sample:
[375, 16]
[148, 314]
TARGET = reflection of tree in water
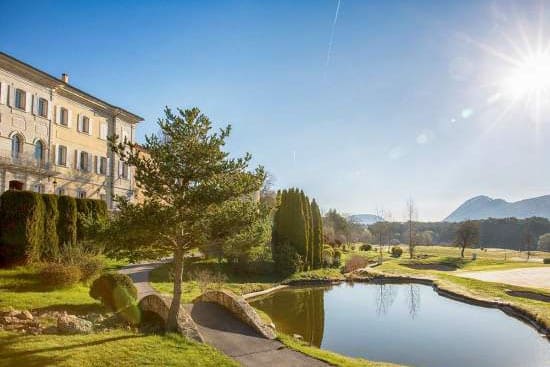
[300, 311]
[414, 300]
[384, 298]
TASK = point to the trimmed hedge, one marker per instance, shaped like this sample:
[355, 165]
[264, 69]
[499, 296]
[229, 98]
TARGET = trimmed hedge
[546, 260]
[21, 226]
[67, 224]
[50, 246]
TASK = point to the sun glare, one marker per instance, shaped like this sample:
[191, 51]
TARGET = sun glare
[529, 78]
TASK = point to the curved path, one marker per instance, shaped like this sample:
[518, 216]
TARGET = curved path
[225, 332]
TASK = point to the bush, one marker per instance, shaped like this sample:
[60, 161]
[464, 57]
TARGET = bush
[287, 260]
[21, 226]
[366, 247]
[396, 251]
[327, 256]
[355, 262]
[337, 257]
[83, 210]
[50, 248]
[67, 224]
[546, 260]
[115, 291]
[59, 275]
[90, 267]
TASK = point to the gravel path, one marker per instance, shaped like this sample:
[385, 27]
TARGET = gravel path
[225, 332]
[527, 277]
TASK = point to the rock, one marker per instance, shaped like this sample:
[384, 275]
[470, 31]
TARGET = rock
[96, 318]
[25, 315]
[298, 337]
[70, 324]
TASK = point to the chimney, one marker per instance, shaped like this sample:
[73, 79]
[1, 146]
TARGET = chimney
[65, 78]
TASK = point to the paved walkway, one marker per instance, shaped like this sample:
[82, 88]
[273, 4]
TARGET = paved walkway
[526, 277]
[225, 332]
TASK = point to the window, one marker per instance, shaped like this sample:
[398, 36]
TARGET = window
[15, 185]
[38, 188]
[42, 107]
[103, 197]
[84, 125]
[103, 165]
[16, 146]
[81, 194]
[123, 169]
[64, 116]
[62, 155]
[20, 99]
[60, 191]
[84, 161]
[39, 151]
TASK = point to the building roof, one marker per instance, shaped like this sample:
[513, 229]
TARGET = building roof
[10, 63]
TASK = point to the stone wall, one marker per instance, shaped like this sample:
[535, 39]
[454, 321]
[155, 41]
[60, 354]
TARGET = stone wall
[161, 305]
[238, 307]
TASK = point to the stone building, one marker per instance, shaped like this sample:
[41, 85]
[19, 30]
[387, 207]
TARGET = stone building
[53, 136]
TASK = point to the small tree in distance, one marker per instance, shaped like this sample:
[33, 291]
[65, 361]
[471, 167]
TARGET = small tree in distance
[544, 242]
[189, 185]
[467, 235]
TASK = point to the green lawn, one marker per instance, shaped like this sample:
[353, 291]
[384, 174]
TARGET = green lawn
[20, 288]
[114, 348]
[236, 282]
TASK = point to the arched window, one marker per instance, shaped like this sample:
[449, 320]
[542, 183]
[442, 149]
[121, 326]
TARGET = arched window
[39, 151]
[16, 146]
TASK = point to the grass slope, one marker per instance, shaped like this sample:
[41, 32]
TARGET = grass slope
[115, 348]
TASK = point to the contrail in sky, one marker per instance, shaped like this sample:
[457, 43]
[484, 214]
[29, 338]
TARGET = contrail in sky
[332, 32]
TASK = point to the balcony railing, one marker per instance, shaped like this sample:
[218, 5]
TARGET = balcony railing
[25, 161]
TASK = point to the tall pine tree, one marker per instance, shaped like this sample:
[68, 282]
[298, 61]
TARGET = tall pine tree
[317, 235]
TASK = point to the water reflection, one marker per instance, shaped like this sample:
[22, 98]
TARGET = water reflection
[406, 324]
[300, 311]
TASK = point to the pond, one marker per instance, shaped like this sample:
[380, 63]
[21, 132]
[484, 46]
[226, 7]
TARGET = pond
[406, 324]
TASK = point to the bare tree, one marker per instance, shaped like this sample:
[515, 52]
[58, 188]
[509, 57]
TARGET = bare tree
[467, 235]
[412, 215]
[528, 240]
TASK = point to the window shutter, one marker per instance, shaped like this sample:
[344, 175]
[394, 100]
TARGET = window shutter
[29, 102]
[49, 110]
[3, 93]
[57, 114]
[35, 104]
[78, 122]
[96, 164]
[77, 159]
[11, 96]
[90, 127]
[69, 118]
[108, 168]
[56, 154]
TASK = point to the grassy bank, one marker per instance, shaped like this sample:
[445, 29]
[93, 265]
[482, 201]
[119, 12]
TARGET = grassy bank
[114, 348]
[328, 356]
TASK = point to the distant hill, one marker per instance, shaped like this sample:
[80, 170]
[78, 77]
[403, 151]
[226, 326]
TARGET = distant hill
[365, 219]
[483, 207]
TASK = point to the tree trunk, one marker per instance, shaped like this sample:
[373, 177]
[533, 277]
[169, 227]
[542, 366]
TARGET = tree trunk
[172, 322]
[462, 251]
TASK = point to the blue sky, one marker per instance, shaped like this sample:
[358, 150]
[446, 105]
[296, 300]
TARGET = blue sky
[408, 104]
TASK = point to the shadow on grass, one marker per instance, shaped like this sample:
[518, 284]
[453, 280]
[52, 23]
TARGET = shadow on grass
[35, 357]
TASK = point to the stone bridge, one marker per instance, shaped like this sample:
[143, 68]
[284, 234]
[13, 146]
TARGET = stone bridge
[160, 305]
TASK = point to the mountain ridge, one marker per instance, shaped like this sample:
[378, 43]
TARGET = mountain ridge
[483, 207]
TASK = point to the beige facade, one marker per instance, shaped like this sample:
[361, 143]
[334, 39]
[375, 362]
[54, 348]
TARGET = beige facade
[53, 136]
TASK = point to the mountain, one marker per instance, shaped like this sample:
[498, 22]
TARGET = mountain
[483, 207]
[365, 219]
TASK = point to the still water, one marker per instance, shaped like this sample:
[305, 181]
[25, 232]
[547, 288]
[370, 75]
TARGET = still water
[405, 323]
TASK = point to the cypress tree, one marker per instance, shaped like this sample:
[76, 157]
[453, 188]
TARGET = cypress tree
[317, 240]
